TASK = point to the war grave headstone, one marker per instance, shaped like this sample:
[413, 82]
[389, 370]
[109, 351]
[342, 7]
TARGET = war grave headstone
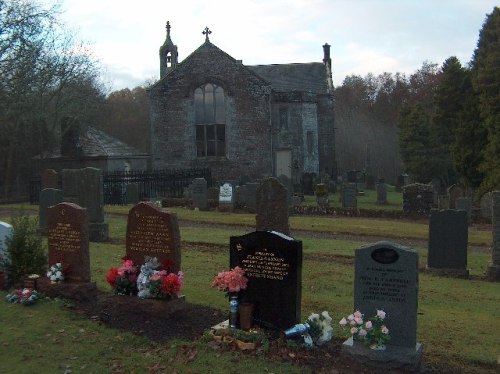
[448, 236]
[272, 207]
[494, 266]
[465, 203]
[349, 199]
[386, 278]
[49, 179]
[418, 198]
[6, 230]
[486, 204]
[454, 192]
[273, 265]
[199, 193]
[381, 192]
[226, 197]
[132, 193]
[48, 198]
[153, 232]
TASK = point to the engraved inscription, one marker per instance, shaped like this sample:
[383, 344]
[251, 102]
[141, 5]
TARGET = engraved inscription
[391, 285]
[65, 238]
[150, 234]
[265, 264]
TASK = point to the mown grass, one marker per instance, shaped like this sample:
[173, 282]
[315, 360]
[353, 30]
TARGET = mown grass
[458, 319]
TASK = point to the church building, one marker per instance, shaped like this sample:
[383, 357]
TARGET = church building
[212, 111]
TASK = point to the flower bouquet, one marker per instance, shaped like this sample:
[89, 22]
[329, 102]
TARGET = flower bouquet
[372, 332]
[230, 281]
[24, 296]
[123, 279]
[56, 273]
[158, 284]
[316, 330]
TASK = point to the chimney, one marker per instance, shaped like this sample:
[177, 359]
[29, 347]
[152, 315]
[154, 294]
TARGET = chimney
[326, 56]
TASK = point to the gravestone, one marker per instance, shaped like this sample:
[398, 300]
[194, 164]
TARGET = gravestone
[68, 240]
[226, 197]
[370, 182]
[308, 183]
[386, 278]
[454, 192]
[132, 193]
[199, 193]
[273, 265]
[443, 202]
[287, 182]
[381, 192]
[448, 236]
[418, 198]
[349, 199]
[465, 203]
[486, 205]
[272, 207]
[251, 196]
[6, 230]
[494, 266]
[48, 198]
[153, 232]
[49, 179]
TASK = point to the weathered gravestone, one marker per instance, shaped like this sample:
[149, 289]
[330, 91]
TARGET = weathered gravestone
[386, 278]
[494, 267]
[68, 240]
[272, 207]
[273, 265]
[226, 197]
[454, 192]
[418, 198]
[153, 232]
[287, 182]
[486, 205]
[132, 193]
[349, 199]
[250, 196]
[448, 236]
[6, 230]
[465, 203]
[48, 198]
[381, 192]
[443, 202]
[49, 179]
[199, 193]
[85, 188]
[308, 183]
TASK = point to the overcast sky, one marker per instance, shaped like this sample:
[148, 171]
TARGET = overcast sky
[365, 35]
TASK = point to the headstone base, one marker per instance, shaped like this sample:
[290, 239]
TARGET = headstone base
[393, 357]
[98, 232]
[81, 291]
[451, 273]
[494, 272]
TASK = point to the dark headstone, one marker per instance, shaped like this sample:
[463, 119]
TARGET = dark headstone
[287, 182]
[386, 278]
[153, 232]
[308, 183]
[132, 193]
[349, 199]
[272, 207]
[486, 205]
[49, 179]
[382, 193]
[71, 185]
[465, 203]
[273, 265]
[48, 198]
[68, 240]
[199, 193]
[455, 192]
[418, 198]
[494, 267]
[448, 235]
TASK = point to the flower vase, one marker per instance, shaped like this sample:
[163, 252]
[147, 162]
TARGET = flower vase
[377, 347]
[233, 310]
[246, 315]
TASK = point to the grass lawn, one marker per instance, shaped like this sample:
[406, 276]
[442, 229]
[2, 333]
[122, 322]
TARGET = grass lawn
[458, 320]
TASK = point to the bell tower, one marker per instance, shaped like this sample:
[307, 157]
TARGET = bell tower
[168, 54]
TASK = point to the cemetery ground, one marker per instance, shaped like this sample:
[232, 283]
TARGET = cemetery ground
[458, 319]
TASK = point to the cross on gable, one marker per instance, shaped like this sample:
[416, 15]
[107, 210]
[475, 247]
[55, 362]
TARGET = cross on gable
[206, 32]
[168, 26]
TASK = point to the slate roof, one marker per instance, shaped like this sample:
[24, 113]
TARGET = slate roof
[95, 142]
[308, 77]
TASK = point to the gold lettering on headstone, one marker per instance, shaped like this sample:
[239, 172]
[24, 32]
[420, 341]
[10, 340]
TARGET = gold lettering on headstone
[64, 238]
[265, 264]
[150, 235]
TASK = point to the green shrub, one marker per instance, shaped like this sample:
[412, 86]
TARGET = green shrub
[25, 251]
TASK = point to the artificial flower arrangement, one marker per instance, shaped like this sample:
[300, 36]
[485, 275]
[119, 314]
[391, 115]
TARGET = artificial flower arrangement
[56, 273]
[123, 279]
[156, 281]
[230, 281]
[373, 332]
[24, 296]
[320, 328]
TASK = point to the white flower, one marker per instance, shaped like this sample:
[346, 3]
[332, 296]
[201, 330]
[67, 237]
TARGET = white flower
[52, 277]
[326, 316]
[58, 274]
[314, 317]
[308, 340]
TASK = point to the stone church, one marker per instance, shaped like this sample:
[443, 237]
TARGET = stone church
[210, 110]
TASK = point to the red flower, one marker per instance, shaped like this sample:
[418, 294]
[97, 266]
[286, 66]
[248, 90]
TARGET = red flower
[111, 276]
[171, 284]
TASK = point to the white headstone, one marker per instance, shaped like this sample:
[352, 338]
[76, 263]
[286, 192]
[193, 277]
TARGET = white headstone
[226, 193]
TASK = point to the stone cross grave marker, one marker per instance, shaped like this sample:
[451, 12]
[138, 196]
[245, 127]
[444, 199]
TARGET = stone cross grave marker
[272, 207]
[273, 265]
[68, 240]
[199, 193]
[48, 198]
[448, 236]
[153, 232]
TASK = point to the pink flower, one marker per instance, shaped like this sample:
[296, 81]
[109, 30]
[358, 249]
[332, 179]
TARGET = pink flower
[358, 320]
[354, 330]
[369, 325]
[350, 317]
[357, 314]
[380, 314]
[384, 330]
[343, 322]
[231, 281]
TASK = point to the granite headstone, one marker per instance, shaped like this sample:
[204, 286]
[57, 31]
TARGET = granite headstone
[272, 207]
[349, 199]
[48, 198]
[132, 193]
[199, 193]
[49, 179]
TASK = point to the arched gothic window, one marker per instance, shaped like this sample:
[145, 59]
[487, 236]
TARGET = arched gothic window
[210, 119]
